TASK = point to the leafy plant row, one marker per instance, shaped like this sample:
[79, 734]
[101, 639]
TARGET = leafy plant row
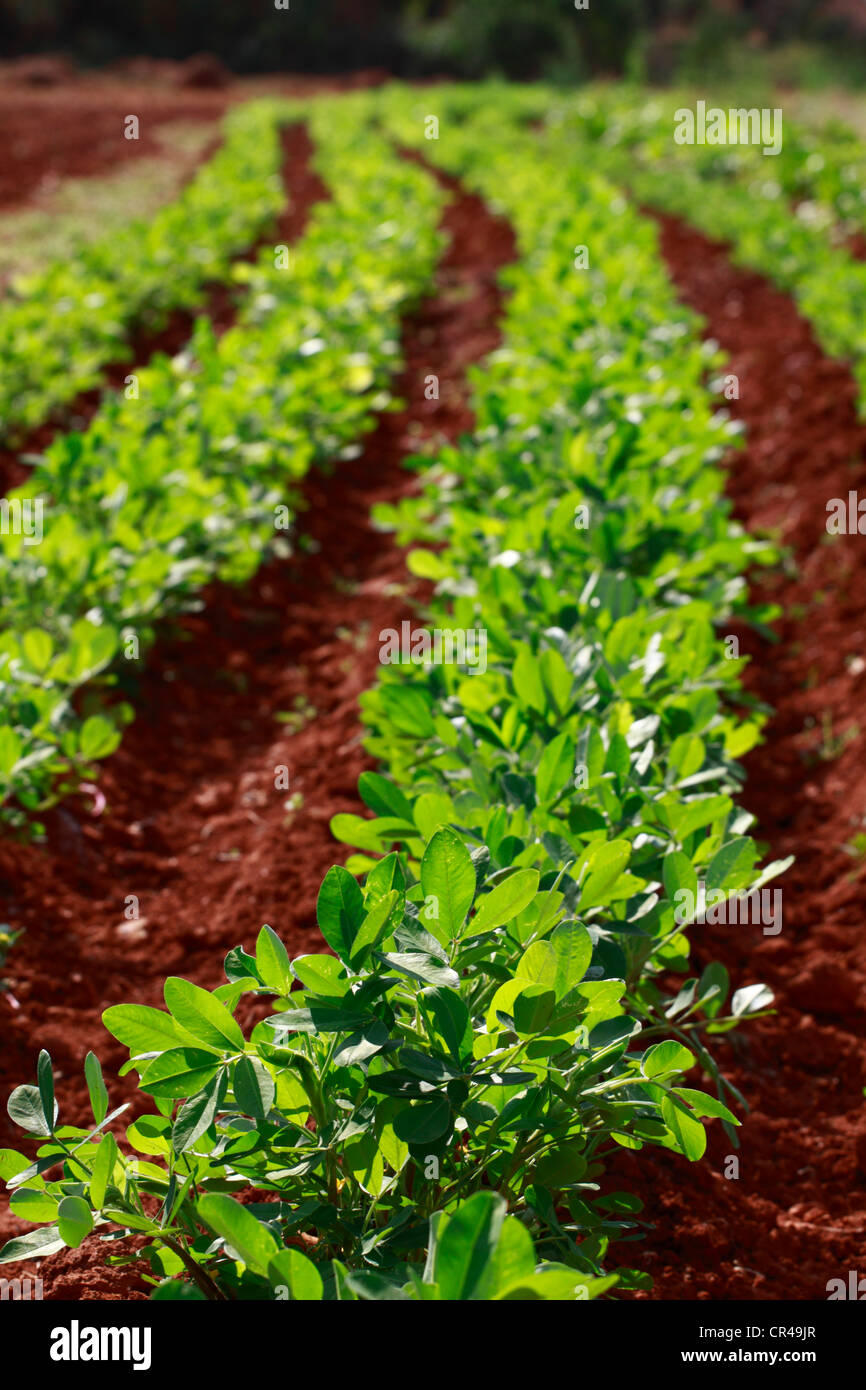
[598, 743]
[193, 479]
[822, 170]
[745, 199]
[430, 1110]
[61, 325]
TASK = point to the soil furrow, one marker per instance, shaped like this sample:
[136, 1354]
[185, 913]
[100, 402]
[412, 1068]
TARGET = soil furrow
[69, 132]
[796, 1215]
[260, 686]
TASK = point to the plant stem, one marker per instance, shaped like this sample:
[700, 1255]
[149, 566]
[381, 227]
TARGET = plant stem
[199, 1276]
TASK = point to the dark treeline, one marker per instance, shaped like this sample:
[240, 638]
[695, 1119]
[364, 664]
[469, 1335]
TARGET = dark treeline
[656, 39]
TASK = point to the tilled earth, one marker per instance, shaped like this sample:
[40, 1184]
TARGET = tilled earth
[796, 1216]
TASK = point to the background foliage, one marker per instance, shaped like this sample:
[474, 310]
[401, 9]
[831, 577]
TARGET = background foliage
[806, 41]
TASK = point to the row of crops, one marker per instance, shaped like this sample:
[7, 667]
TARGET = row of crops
[785, 216]
[437, 1103]
[191, 476]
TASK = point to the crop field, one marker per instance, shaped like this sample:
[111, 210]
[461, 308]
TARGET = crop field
[432, 833]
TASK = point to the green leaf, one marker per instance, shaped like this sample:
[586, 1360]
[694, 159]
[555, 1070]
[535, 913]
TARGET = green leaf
[342, 1285]
[539, 965]
[340, 910]
[689, 1133]
[182, 1071]
[432, 810]
[361, 1045]
[370, 834]
[557, 1283]
[26, 1110]
[420, 966]
[11, 748]
[98, 738]
[697, 813]
[131, 1220]
[705, 1106]
[370, 1286]
[200, 1014]
[96, 1087]
[197, 1114]
[103, 1167]
[618, 760]
[572, 947]
[408, 710]
[679, 875]
[590, 752]
[320, 1018]
[448, 876]
[425, 1121]
[148, 1134]
[556, 679]
[532, 1010]
[686, 755]
[254, 1088]
[362, 1159]
[732, 866]
[384, 878]
[143, 1029]
[426, 564]
[606, 863]
[513, 1258]
[32, 1245]
[38, 648]
[467, 1244]
[249, 1239]
[322, 975]
[74, 1221]
[376, 925]
[33, 1204]
[666, 1058]
[716, 975]
[45, 1077]
[750, 999]
[272, 962]
[393, 1150]
[527, 682]
[239, 965]
[11, 1164]
[506, 901]
[290, 1269]
[429, 1066]
[383, 797]
[555, 767]
[561, 1166]
[448, 1018]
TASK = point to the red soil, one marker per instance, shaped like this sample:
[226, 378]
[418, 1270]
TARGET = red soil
[797, 1215]
[77, 130]
[74, 125]
[194, 828]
